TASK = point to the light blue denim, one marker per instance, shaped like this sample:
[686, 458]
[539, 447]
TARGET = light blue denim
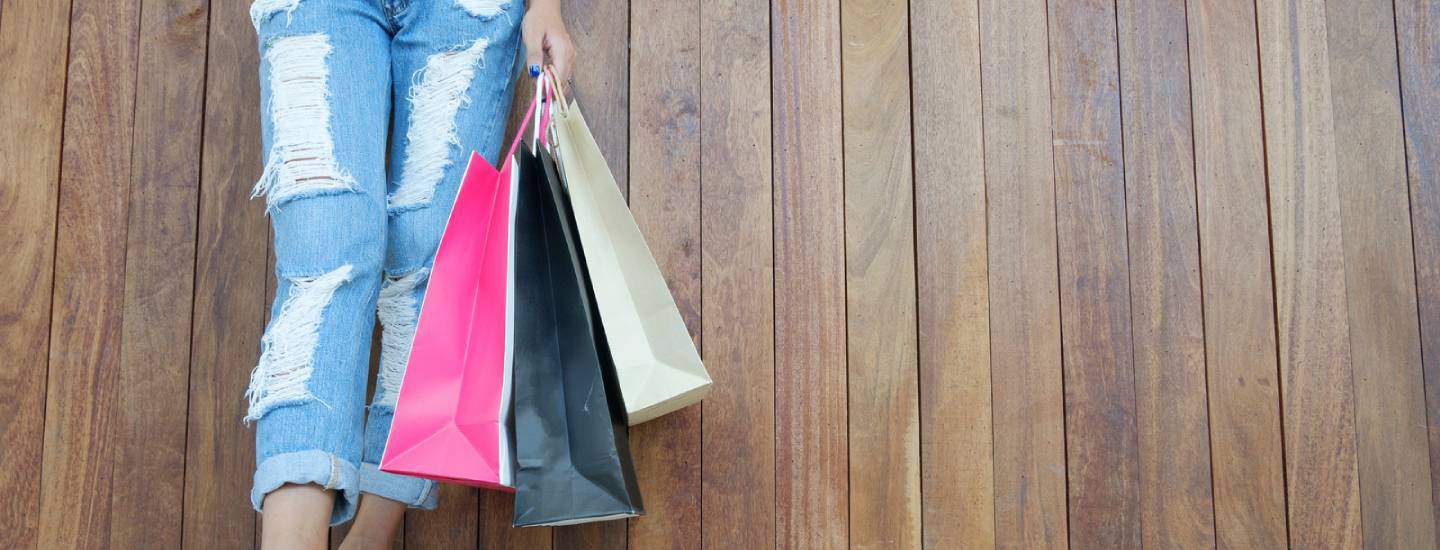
[351, 233]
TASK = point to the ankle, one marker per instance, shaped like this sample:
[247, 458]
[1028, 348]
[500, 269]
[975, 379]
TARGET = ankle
[376, 523]
[363, 541]
[296, 516]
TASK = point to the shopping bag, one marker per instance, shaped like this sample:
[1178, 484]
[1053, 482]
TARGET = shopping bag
[655, 359]
[452, 417]
[571, 446]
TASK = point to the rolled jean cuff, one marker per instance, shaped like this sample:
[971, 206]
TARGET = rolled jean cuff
[414, 492]
[303, 467]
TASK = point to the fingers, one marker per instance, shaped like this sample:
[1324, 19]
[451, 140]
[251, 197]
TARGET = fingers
[562, 54]
[534, 49]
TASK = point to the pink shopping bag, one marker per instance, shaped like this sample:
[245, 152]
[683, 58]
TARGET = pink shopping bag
[452, 416]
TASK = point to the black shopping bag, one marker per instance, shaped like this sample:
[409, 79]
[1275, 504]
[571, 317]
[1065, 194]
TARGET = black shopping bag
[571, 448]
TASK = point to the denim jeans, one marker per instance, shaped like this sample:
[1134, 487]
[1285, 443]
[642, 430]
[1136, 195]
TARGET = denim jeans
[354, 238]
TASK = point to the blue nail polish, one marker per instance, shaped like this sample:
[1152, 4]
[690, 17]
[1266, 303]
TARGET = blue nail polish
[534, 70]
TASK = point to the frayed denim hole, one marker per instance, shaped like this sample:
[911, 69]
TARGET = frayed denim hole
[261, 10]
[484, 9]
[301, 161]
[440, 89]
[398, 310]
[287, 350]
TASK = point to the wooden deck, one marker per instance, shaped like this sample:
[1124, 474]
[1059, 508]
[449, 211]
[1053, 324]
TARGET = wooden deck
[1097, 273]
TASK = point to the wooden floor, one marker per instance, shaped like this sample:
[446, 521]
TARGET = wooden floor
[1094, 273]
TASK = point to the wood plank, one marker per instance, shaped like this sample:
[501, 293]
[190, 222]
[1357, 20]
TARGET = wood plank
[159, 277]
[271, 284]
[452, 524]
[604, 534]
[1379, 277]
[956, 453]
[738, 462]
[1418, 39]
[880, 276]
[82, 393]
[230, 291]
[496, 511]
[811, 455]
[33, 41]
[1100, 433]
[1314, 339]
[1171, 415]
[665, 200]
[1244, 394]
[601, 33]
[1025, 334]
[601, 79]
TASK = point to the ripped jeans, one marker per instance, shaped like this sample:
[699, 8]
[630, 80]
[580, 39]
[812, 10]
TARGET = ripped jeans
[354, 238]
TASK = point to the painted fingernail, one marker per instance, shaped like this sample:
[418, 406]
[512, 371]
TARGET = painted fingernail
[534, 70]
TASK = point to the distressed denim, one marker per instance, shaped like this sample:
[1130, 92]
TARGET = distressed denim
[354, 237]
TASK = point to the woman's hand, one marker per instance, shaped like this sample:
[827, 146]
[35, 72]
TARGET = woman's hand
[545, 36]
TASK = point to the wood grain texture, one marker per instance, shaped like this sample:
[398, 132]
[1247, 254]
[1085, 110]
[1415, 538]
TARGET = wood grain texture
[1314, 339]
[956, 452]
[33, 41]
[159, 277]
[230, 291]
[1167, 324]
[158, 153]
[880, 276]
[811, 404]
[271, 284]
[1417, 29]
[1025, 365]
[601, 80]
[1100, 433]
[83, 391]
[665, 153]
[453, 523]
[604, 534]
[737, 275]
[1394, 455]
[1243, 390]
[496, 511]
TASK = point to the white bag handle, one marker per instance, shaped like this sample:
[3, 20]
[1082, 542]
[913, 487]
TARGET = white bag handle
[542, 117]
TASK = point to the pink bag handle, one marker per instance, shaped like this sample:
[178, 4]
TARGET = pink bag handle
[541, 87]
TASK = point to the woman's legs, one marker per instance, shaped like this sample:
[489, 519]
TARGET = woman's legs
[453, 66]
[325, 95]
[326, 90]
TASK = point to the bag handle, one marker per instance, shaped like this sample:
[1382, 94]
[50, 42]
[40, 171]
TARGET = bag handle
[562, 101]
[543, 94]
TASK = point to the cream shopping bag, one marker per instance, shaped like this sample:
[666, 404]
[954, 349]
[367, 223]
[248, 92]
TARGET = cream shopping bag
[655, 359]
